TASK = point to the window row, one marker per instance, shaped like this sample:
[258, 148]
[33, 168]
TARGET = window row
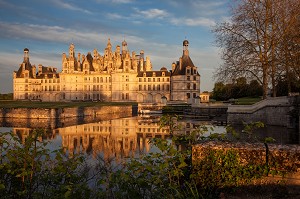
[188, 86]
[98, 79]
[189, 78]
[50, 81]
[154, 87]
[51, 88]
[191, 71]
[188, 95]
[149, 79]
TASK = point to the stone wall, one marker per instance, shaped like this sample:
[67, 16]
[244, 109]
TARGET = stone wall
[41, 113]
[53, 123]
[287, 156]
[272, 111]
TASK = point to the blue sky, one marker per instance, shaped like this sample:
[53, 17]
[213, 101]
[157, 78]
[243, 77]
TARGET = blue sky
[158, 27]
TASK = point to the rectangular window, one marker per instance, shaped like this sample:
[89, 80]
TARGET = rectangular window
[194, 95]
[149, 87]
[188, 78]
[188, 95]
[195, 86]
[140, 79]
[140, 87]
[149, 79]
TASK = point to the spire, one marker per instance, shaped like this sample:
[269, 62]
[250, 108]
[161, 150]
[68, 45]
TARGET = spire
[108, 44]
[124, 46]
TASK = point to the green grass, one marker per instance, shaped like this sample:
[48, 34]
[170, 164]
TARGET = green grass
[30, 104]
[247, 100]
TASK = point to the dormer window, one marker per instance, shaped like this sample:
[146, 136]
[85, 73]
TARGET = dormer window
[188, 71]
[163, 74]
[144, 75]
[153, 74]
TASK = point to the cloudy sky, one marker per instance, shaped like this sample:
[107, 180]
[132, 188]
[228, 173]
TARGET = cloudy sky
[156, 26]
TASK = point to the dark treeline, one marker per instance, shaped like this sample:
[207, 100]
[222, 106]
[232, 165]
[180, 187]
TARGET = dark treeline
[241, 88]
[8, 96]
[238, 89]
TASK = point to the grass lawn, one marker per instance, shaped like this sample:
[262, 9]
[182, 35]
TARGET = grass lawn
[247, 100]
[31, 104]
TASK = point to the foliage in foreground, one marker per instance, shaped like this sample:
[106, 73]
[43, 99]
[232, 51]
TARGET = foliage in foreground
[29, 170]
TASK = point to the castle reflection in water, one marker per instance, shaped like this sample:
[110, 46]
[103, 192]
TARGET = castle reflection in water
[119, 138]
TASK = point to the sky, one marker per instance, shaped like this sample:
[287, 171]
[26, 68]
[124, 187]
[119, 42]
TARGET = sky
[158, 27]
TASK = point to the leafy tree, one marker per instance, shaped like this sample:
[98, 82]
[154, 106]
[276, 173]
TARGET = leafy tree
[284, 87]
[240, 88]
[255, 89]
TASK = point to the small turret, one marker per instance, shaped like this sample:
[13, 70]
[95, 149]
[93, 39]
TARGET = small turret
[186, 47]
[124, 47]
[108, 44]
[72, 51]
[26, 55]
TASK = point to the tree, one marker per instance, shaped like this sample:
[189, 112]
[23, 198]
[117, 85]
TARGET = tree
[218, 91]
[255, 89]
[257, 38]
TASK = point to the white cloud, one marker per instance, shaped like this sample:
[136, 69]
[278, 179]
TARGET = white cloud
[206, 22]
[122, 1]
[115, 1]
[114, 16]
[153, 13]
[69, 6]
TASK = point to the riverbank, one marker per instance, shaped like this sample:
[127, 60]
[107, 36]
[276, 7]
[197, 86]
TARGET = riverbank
[38, 104]
[60, 110]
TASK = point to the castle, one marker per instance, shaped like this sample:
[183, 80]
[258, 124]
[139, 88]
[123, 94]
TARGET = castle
[114, 76]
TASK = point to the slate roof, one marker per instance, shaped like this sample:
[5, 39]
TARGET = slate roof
[28, 67]
[186, 61]
[150, 74]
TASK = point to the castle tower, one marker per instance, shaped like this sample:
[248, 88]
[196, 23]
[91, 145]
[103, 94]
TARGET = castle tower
[185, 79]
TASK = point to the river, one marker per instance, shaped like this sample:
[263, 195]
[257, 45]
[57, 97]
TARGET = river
[123, 137]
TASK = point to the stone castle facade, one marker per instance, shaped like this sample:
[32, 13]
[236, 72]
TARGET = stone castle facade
[117, 75]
